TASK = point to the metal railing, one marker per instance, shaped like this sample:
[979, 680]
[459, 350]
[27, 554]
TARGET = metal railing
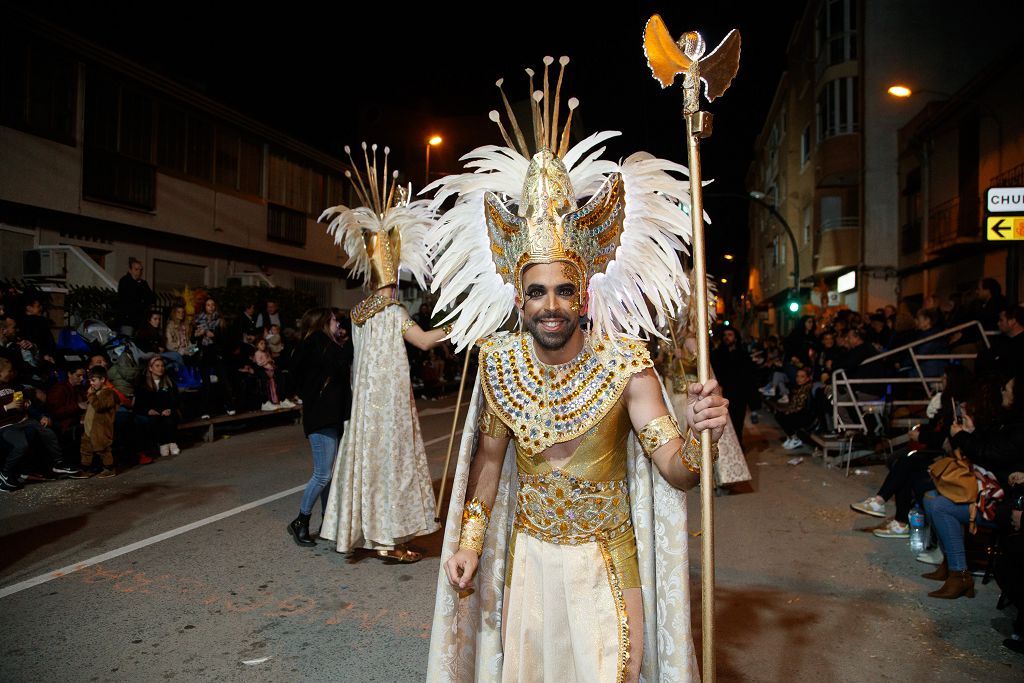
[841, 223]
[844, 395]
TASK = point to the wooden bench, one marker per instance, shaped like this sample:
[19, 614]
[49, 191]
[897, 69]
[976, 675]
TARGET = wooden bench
[211, 423]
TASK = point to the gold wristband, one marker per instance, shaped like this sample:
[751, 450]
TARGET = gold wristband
[491, 425]
[691, 454]
[448, 329]
[475, 516]
[657, 433]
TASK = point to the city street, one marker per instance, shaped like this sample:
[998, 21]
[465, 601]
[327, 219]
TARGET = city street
[187, 573]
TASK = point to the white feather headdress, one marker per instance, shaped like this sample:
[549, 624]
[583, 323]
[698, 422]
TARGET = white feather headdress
[619, 223]
[388, 232]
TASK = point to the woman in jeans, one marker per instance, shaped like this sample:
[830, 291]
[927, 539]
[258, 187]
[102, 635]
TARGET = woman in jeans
[322, 370]
[997, 447]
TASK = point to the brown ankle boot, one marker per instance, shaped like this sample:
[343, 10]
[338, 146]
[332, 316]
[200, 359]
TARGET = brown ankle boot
[957, 584]
[940, 573]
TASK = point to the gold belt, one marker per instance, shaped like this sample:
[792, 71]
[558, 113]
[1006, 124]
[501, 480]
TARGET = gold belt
[566, 510]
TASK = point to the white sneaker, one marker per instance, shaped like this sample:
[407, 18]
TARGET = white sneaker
[893, 530]
[791, 443]
[230, 412]
[286, 404]
[268, 407]
[165, 449]
[298, 401]
[767, 390]
[204, 416]
[783, 400]
[933, 556]
[173, 448]
[869, 506]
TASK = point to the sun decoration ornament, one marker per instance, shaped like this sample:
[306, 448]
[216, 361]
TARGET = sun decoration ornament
[387, 232]
[617, 225]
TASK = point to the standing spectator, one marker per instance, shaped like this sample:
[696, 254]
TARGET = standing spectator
[208, 334]
[989, 302]
[270, 316]
[734, 371]
[927, 322]
[322, 370]
[134, 298]
[247, 322]
[156, 409]
[99, 423]
[1006, 355]
[66, 404]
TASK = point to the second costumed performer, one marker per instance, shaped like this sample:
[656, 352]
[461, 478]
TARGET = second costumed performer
[564, 555]
[381, 493]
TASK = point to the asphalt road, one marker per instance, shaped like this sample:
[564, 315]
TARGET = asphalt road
[183, 570]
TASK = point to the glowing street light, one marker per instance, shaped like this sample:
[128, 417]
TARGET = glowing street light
[900, 91]
[728, 257]
[434, 141]
[724, 280]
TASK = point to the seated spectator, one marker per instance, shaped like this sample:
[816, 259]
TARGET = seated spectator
[23, 354]
[22, 424]
[997, 446]
[795, 414]
[1008, 568]
[66, 404]
[927, 323]
[989, 302]
[177, 337]
[247, 322]
[35, 328]
[908, 479]
[157, 409]
[150, 337]
[99, 424]
[879, 334]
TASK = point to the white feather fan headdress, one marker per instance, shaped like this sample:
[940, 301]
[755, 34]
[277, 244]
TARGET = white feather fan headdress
[619, 224]
[388, 232]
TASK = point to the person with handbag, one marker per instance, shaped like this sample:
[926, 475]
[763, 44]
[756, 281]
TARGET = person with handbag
[986, 453]
[322, 367]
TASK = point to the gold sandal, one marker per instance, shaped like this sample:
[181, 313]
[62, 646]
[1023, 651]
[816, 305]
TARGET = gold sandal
[401, 555]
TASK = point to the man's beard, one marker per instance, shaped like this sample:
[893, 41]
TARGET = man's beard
[552, 341]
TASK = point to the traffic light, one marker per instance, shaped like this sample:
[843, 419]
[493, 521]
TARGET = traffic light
[793, 303]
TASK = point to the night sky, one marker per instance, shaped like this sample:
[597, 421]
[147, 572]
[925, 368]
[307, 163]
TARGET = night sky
[394, 73]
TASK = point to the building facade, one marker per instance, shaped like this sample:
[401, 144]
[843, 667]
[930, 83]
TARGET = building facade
[104, 160]
[828, 157]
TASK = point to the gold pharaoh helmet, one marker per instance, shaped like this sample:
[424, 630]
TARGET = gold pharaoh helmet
[374, 234]
[519, 205]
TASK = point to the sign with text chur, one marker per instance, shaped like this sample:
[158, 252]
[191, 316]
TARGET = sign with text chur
[1005, 200]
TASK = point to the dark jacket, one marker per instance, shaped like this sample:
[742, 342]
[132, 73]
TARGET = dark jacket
[322, 371]
[147, 399]
[734, 371]
[134, 299]
[62, 405]
[999, 449]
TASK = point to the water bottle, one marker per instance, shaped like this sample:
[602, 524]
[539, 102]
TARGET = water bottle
[918, 531]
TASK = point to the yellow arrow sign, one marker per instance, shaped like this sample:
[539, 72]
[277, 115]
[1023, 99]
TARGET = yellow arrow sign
[1004, 228]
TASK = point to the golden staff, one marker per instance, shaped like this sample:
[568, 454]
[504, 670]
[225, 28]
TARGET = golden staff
[667, 58]
[451, 438]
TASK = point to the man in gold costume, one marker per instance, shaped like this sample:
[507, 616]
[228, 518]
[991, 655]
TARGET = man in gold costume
[564, 556]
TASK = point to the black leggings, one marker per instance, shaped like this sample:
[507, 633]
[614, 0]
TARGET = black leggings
[907, 481]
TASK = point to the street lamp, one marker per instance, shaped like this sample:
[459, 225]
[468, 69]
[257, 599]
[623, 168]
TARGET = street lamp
[434, 141]
[759, 197]
[728, 257]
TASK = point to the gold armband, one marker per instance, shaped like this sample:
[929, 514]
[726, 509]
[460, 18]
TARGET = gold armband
[691, 455]
[491, 425]
[657, 433]
[448, 329]
[475, 516]
[407, 325]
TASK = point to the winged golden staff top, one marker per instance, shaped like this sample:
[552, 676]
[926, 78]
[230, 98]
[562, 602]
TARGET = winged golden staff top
[667, 59]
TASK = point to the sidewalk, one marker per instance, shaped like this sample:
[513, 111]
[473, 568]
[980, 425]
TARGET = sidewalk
[804, 596]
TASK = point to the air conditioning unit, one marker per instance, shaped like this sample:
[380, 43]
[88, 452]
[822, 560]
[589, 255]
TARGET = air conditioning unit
[43, 263]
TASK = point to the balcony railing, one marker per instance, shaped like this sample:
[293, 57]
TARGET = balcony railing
[953, 222]
[841, 223]
[1013, 177]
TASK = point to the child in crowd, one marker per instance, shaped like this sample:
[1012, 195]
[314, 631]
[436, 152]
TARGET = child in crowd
[275, 344]
[99, 422]
[21, 424]
[265, 360]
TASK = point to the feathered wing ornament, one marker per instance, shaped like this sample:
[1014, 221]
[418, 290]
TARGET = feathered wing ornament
[388, 233]
[618, 223]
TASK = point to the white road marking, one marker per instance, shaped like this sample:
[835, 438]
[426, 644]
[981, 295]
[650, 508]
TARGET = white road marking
[428, 444]
[71, 568]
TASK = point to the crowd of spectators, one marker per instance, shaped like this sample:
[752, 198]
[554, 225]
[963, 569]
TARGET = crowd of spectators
[961, 467]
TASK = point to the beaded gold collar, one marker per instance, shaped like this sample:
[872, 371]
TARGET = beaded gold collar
[371, 306]
[544, 405]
